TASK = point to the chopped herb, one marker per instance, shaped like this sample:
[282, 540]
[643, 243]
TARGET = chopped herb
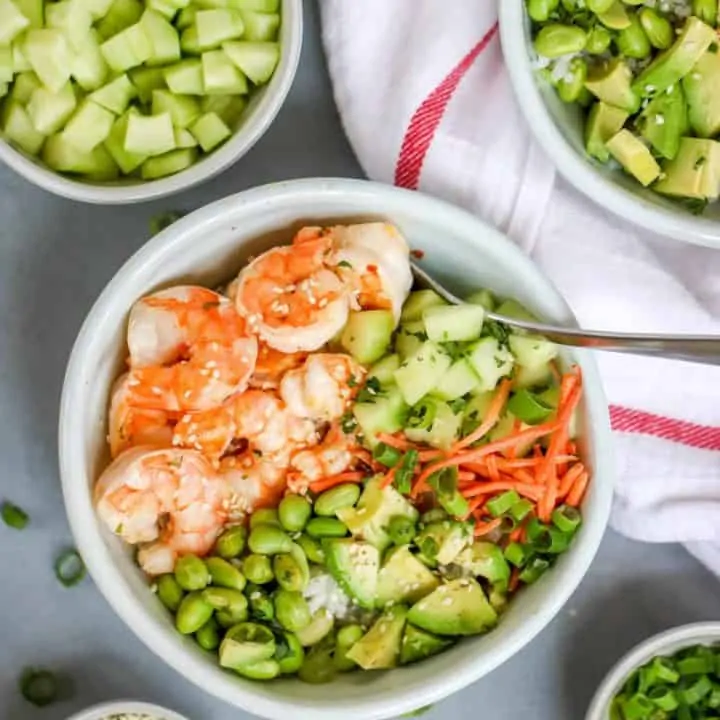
[38, 686]
[496, 330]
[352, 382]
[420, 335]
[348, 423]
[456, 350]
[713, 48]
[164, 220]
[700, 162]
[405, 471]
[69, 568]
[13, 516]
[370, 391]
[344, 264]
[499, 362]
[696, 206]
[458, 405]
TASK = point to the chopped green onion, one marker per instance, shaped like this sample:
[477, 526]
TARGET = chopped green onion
[663, 697]
[534, 569]
[534, 529]
[684, 713]
[404, 473]
[69, 568]
[714, 698]
[520, 510]
[502, 503]
[566, 518]
[164, 220]
[517, 554]
[695, 665]
[665, 671]
[528, 407]
[422, 415]
[386, 455]
[444, 483]
[38, 687]
[507, 524]
[13, 516]
[693, 694]
[637, 707]
[551, 541]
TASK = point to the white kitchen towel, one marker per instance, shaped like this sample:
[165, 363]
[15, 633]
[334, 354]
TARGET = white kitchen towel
[427, 104]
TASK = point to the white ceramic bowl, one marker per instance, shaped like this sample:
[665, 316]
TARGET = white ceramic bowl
[209, 246]
[256, 119]
[666, 643]
[558, 128]
[117, 707]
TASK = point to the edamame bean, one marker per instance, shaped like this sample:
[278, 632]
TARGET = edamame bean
[263, 670]
[261, 605]
[269, 540]
[231, 542]
[321, 624]
[555, 40]
[224, 574]
[337, 498]
[434, 515]
[706, 10]
[291, 610]
[599, 6]
[226, 620]
[312, 549]
[208, 636]
[289, 653]
[632, 40]
[346, 637]
[265, 516]
[257, 569]
[193, 613]
[191, 573]
[401, 530]
[294, 512]
[318, 666]
[598, 40]
[572, 84]
[323, 527]
[288, 574]
[658, 29]
[232, 601]
[169, 592]
[540, 10]
[633, 2]
[569, 5]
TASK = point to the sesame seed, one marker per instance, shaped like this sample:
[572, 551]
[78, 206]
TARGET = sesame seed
[447, 601]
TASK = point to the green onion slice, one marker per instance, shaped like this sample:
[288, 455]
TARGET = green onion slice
[13, 516]
[386, 455]
[69, 568]
[502, 503]
[38, 687]
[404, 473]
[566, 518]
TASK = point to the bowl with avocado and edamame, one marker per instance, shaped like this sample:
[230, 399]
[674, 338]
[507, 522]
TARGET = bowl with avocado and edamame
[621, 94]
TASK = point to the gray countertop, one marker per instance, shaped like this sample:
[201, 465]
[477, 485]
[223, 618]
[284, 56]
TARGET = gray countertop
[55, 257]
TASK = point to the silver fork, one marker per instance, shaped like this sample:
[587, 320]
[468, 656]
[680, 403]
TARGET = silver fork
[692, 348]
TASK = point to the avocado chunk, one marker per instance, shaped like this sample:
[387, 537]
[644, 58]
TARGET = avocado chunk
[457, 608]
[403, 578]
[701, 90]
[611, 83]
[664, 121]
[441, 542]
[379, 648]
[419, 644]
[635, 158]
[354, 565]
[695, 171]
[486, 560]
[603, 122]
[677, 61]
[369, 518]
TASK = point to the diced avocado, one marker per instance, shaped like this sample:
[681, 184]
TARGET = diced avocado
[443, 429]
[403, 578]
[321, 624]
[677, 61]
[245, 644]
[634, 156]
[379, 648]
[418, 302]
[701, 90]
[532, 350]
[459, 380]
[486, 560]
[367, 334]
[354, 565]
[664, 121]
[385, 414]
[491, 361]
[603, 122]
[458, 607]
[419, 374]
[410, 336]
[611, 83]
[385, 368]
[695, 171]
[453, 323]
[615, 17]
[419, 644]
[441, 542]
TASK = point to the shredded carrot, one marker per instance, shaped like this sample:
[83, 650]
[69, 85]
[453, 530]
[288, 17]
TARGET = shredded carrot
[475, 504]
[514, 580]
[465, 476]
[578, 492]
[428, 455]
[490, 419]
[396, 442]
[389, 477]
[483, 528]
[532, 462]
[569, 479]
[516, 534]
[530, 491]
[332, 480]
[493, 468]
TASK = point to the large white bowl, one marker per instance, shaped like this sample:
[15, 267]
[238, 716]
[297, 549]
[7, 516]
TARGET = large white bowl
[208, 247]
[256, 119]
[558, 127]
[118, 708]
[666, 643]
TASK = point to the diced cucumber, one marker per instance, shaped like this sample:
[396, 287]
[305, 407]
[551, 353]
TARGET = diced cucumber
[260, 26]
[476, 411]
[228, 108]
[459, 380]
[220, 76]
[532, 351]
[183, 109]
[453, 323]
[20, 63]
[484, 298]
[33, 10]
[490, 361]
[24, 86]
[211, 4]
[98, 8]
[184, 139]
[386, 414]
[164, 40]
[185, 78]
[410, 336]
[214, 27]
[443, 430]
[49, 111]
[88, 66]
[530, 377]
[7, 67]
[263, 6]
[149, 135]
[48, 52]
[19, 130]
[186, 18]
[167, 8]
[367, 334]
[60, 155]
[12, 21]
[127, 49]
[189, 42]
[513, 309]
[257, 60]
[421, 372]
[121, 15]
[115, 144]
[210, 131]
[168, 164]
[418, 302]
[384, 369]
[73, 18]
[506, 426]
[88, 127]
[116, 95]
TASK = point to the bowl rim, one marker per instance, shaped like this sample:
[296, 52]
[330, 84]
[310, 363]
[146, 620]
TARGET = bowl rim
[242, 140]
[576, 170]
[669, 640]
[109, 579]
[101, 711]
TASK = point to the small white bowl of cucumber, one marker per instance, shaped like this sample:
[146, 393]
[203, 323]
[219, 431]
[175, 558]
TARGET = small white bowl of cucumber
[620, 97]
[122, 101]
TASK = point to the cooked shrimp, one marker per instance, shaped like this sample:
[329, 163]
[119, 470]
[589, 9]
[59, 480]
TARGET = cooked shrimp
[254, 481]
[332, 456]
[374, 259]
[290, 295]
[172, 498]
[272, 364]
[323, 388]
[130, 426]
[189, 350]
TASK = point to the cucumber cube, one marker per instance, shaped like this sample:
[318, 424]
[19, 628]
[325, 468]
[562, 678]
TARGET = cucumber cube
[421, 372]
[168, 164]
[410, 336]
[127, 49]
[532, 377]
[115, 145]
[49, 111]
[214, 27]
[24, 86]
[163, 37]
[184, 139]
[121, 15]
[116, 95]
[417, 302]
[490, 361]
[532, 351]
[146, 80]
[88, 67]
[185, 78]
[98, 8]
[150, 135]
[48, 53]
[12, 21]
[211, 4]
[263, 6]
[210, 131]
[228, 108]
[257, 60]
[7, 67]
[387, 414]
[186, 18]
[454, 323]
[62, 156]
[189, 42]
[33, 10]
[88, 127]
[183, 109]
[20, 62]
[384, 370]
[19, 130]
[459, 380]
[367, 334]
[72, 18]
[260, 26]
[220, 76]
[443, 431]
[166, 8]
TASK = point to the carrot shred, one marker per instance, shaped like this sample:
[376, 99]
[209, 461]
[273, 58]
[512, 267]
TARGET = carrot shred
[465, 476]
[530, 491]
[389, 477]
[428, 455]
[490, 419]
[578, 491]
[332, 480]
[493, 468]
[569, 479]
[516, 534]
[474, 505]
[483, 528]
[514, 580]
[395, 442]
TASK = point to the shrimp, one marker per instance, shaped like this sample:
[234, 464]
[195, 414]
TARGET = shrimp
[271, 365]
[189, 350]
[291, 297]
[323, 388]
[333, 455]
[171, 498]
[254, 481]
